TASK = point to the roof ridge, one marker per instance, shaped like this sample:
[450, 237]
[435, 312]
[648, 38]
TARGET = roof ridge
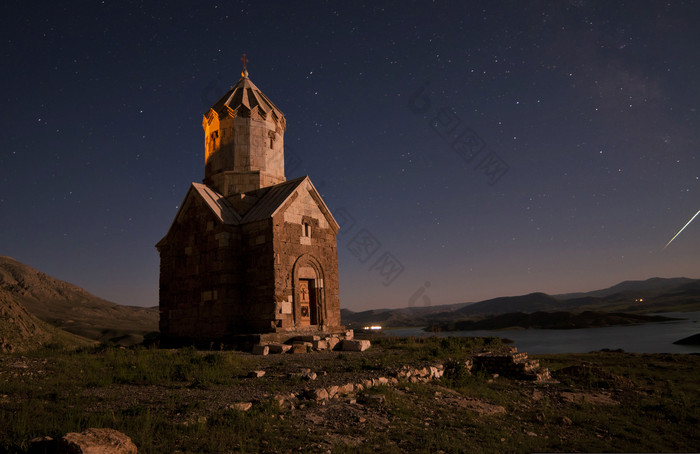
[218, 204]
[246, 94]
[273, 198]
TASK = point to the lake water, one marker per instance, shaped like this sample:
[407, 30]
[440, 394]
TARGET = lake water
[646, 338]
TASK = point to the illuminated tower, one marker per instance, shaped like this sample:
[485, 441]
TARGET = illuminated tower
[243, 141]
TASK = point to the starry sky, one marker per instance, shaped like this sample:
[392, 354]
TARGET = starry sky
[469, 150]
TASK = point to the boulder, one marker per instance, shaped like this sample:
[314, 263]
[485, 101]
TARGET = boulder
[96, 441]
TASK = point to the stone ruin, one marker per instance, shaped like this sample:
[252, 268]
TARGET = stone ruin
[512, 364]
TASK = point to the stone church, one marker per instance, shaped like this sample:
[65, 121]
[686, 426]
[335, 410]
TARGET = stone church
[248, 252]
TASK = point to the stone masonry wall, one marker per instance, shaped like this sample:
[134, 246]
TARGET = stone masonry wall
[292, 247]
[219, 280]
[243, 154]
[258, 276]
[200, 276]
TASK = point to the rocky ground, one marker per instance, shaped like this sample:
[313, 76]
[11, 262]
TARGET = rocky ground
[412, 396]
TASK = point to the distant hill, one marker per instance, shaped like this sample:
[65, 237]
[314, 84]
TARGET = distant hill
[524, 303]
[21, 331]
[407, 316]
[657, 284]
[71, 308]
[549, 320]
[631, 297]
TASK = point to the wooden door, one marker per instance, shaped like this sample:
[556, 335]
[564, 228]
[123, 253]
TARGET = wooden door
[304, 302]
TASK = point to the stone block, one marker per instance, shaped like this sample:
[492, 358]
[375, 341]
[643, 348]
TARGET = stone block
[318, 394]
[256, 373]
[276, 348]
[298, 348]
[358, 345]
[320, 345]
[332, 391]
[305, 344]
[261, 349]
[332, 342]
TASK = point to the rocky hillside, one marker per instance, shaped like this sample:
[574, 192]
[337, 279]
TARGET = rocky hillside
[71, 308]
[22, 331]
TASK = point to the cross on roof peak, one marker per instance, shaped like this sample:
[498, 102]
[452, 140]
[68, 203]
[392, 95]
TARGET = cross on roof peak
[244, 59]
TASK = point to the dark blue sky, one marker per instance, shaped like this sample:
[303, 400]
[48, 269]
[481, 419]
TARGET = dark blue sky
[484, 148]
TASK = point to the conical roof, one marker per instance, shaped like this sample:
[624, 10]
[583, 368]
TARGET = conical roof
[246, 100]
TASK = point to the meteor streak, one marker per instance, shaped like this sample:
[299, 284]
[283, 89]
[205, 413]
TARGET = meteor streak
[679, 232]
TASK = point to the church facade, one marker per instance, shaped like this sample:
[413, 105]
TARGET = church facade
[248, 252]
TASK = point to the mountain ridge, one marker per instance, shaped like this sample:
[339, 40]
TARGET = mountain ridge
[643, 296]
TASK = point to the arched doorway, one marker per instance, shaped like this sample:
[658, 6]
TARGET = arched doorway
[309, 294]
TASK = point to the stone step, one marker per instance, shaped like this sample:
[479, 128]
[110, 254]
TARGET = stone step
[519, 357]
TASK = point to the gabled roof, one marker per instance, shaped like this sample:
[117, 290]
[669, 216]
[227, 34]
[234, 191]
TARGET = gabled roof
[276, 196]
[219, 206]
[272, 199]
[217, 203]
[243, 99]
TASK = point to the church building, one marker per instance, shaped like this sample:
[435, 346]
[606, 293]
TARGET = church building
[248, 252]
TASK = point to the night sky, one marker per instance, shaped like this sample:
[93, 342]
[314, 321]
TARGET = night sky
[469, 150]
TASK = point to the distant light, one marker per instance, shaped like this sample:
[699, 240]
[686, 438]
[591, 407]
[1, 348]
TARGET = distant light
[373, 327]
